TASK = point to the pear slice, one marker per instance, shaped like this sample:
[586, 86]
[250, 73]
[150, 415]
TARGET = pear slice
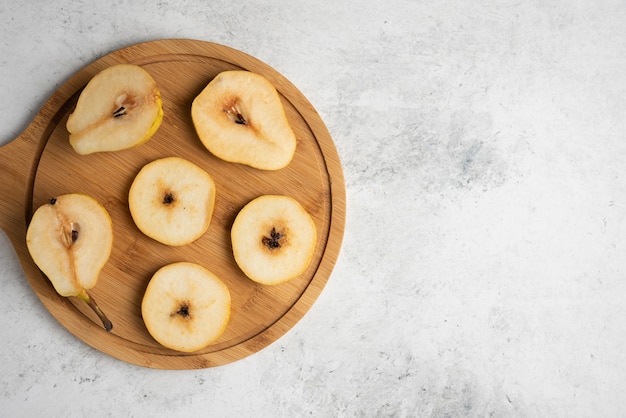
[119, 108]
[273, 239]
[171, 200]
[70, 240]
[239, 117]
[185, 307]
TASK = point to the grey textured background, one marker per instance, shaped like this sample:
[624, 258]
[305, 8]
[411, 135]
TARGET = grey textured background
[482, 271]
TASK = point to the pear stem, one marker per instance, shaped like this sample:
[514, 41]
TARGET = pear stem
[108, 325]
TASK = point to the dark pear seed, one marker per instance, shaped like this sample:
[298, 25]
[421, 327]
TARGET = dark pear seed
[183, 311]
[240, 120]
[120, 111]
[272, 241]
[168, 198]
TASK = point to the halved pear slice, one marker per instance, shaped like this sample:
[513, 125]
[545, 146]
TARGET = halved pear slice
[273, 239]
[185, 306]
[171, 200]
[239, 118]
[70, 239]
[119, 108]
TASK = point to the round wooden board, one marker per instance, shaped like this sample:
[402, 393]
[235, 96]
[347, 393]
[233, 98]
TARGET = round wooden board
[260, 314]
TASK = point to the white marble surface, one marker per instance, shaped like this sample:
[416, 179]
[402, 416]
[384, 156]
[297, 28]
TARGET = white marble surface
[483, 270]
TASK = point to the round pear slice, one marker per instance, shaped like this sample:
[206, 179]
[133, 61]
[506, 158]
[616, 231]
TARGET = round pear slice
[273, 239]
[171, 200]
[119, 108]
[70, 239]
[240, 118]
[185, 307]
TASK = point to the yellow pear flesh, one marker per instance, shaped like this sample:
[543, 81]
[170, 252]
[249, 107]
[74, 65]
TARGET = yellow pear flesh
[239, 117]
[185, 307]
[273, 239]
[171, 200]
[70, 239]
[119, 108]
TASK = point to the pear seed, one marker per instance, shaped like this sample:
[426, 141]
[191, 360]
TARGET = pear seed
[120, 111]
[273, 241]
[75, 230]
[235, 115]
[183, 311]
[168, 199]
[240, 119]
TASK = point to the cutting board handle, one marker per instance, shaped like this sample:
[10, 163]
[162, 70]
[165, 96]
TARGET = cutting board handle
[18, 160]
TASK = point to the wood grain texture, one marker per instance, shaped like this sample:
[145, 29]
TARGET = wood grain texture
[41, 164]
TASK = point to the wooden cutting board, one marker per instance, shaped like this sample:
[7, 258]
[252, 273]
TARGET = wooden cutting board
[41, 164]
